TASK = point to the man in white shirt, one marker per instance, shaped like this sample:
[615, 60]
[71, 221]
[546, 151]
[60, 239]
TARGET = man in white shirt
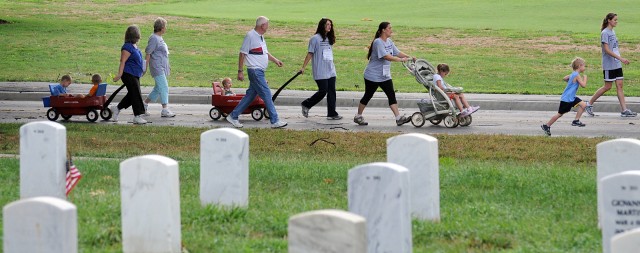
[256, 56]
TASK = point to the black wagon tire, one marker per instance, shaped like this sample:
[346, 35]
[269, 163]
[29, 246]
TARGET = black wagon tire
[215, 113]
[52, 114]
[106, 114]
[92, 115]
[257, 114]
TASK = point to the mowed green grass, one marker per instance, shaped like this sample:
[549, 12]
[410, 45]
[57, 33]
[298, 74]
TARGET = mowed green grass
[544, 15]
[515, 47]
[498, 193]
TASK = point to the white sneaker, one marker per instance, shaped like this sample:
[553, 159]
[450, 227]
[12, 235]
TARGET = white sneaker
[279, 124]
[166, 113]
[146, 110]
[474, 109]
[115, 112]
[234, 122]
[139, 120]
[464, 112]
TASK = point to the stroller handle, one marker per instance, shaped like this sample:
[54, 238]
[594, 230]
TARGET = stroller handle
[410, 66]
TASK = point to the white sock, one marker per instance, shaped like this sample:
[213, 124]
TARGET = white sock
[398, 117]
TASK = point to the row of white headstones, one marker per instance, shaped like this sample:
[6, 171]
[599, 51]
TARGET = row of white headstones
[382, 197]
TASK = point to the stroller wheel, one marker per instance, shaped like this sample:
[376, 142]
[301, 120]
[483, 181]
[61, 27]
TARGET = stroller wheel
[465, 121]
[417, 119]
[451, 121]
[435, 121]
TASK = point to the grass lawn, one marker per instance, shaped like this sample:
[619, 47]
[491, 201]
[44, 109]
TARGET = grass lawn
[498, 193]
[516, 47]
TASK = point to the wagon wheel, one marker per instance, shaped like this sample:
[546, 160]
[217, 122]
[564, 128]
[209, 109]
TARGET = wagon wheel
[266, 113]
[257, 114]
[65, 117]
[52, 114]
[92, 115]
[451, 121]
[466, 120]
[106, 114]
[417, 119]
[435, 121]
[215, 113]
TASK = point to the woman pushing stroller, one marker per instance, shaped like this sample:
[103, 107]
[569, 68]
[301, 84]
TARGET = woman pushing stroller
[378, 73]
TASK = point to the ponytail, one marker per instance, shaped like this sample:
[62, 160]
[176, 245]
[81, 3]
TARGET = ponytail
[381, 27]
[605, 22]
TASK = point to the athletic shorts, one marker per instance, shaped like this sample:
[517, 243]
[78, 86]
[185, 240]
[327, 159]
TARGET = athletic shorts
[566, 106]
[612, 75]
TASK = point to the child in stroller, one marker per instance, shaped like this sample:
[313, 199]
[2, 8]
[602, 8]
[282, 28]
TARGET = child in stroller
[456, 95]
[437, 107]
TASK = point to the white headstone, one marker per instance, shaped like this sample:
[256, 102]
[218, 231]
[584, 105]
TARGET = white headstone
[626, 242]
[150, 192]
[43, 154]
[621, 205]
[612, 157]
[379, 192]
[419, 154]
[327, 231]
[224, 167]
[40, 225]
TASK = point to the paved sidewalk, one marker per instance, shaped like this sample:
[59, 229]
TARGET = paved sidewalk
[34, 91]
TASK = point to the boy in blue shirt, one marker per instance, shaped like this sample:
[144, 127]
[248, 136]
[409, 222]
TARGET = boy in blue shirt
[60, 90]
[569, 99]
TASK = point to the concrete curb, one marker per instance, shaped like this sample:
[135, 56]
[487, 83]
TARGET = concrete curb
[34, 91]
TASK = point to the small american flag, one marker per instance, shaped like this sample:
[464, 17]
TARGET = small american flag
[73, 175]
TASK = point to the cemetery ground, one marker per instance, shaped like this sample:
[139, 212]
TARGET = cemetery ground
[498, 193]
[513, 193]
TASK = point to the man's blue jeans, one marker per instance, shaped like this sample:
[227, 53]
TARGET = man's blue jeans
[257, 86]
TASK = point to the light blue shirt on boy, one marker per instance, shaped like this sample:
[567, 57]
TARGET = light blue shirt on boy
[379, 69]
[322, 51]
[56, 90]
[569, 93]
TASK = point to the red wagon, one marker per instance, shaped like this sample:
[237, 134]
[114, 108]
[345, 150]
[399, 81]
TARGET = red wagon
[223, 105]
[69, 106]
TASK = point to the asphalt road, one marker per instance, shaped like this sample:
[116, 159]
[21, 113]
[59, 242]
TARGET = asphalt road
[508, 122]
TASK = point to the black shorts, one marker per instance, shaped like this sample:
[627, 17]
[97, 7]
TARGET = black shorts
[612, 75]
[566, 106]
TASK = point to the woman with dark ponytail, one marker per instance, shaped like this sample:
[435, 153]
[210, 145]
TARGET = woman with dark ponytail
[382, 52]
[611, 65]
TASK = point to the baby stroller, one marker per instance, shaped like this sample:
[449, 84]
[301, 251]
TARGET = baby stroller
[437, 106]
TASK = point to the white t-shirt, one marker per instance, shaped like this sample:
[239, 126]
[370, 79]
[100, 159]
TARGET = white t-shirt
[437, 77]
[254, 47]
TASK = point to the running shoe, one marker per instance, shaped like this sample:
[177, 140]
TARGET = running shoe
[577, 123]
[628, 113]
[546, 129]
